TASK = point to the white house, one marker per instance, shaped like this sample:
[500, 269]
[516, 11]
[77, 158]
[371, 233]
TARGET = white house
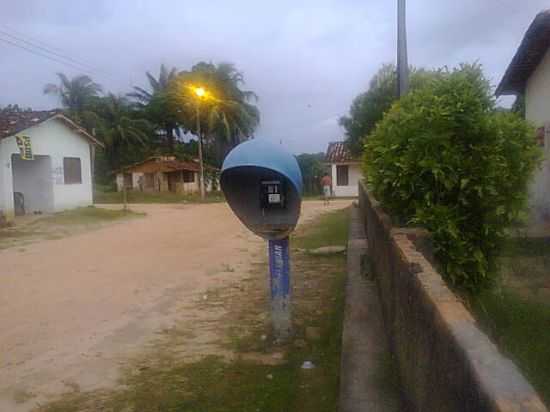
[345, 170]
[165, 174]
[45, 163]
[528, 75]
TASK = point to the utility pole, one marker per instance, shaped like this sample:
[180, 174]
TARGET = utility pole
[201, 161]
[402, 59]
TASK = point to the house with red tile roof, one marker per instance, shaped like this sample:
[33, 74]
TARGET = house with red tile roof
[165, 174]
[345, 170]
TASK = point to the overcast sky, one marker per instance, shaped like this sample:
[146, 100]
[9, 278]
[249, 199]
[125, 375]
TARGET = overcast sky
[305, 59]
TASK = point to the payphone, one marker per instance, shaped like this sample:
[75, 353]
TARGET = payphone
[262, 184]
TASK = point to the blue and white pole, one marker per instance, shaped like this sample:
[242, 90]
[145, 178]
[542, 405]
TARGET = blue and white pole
[279, 269]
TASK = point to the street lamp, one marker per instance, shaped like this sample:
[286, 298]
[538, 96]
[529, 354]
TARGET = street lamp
[200, 92]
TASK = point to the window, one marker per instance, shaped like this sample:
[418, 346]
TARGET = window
[72, 170]
[188, 177]
[342, 175]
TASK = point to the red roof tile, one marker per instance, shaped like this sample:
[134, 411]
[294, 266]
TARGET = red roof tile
[337, 152]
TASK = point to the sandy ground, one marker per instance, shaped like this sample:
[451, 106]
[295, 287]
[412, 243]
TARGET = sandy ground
[73, 310]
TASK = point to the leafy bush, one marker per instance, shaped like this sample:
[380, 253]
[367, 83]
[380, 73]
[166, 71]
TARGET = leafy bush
[443, 158]
[369, 107]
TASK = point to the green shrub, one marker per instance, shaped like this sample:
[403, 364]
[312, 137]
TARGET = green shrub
[443, 158]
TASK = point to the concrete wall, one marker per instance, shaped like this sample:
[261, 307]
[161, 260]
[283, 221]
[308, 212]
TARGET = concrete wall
[50, 138]
[355, 175]
[537, 110]
[445, 362]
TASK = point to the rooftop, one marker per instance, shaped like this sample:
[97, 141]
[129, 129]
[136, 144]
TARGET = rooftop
[156, 164]
[12, 123]
[530, 53]
[337, 152]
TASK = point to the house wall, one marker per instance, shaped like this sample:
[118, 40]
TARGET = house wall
[162, 179]
[355, 175]
[50, 138]
[537, 110]
[537, 93]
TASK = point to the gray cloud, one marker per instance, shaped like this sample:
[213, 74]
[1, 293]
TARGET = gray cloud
[306, 60]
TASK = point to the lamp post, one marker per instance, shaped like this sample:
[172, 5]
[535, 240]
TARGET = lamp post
[200, 93]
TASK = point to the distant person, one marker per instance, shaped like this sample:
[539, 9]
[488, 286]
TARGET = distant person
[326, 183]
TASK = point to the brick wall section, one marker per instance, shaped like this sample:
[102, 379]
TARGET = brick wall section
[446, 363]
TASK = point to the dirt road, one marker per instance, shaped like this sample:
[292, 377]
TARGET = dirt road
[73, 310]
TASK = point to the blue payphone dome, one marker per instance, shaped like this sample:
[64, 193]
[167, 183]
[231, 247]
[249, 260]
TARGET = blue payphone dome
[262, 153]
[262, 184]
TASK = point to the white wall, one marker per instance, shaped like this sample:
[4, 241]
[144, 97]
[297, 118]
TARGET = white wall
[537, 93]
[50, 138]
[537, 110]
[355, 175]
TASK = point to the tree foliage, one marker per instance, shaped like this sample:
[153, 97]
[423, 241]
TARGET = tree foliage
[369, 107]
[75, 94]
[228, 115]
[443, 158]
[154, 106]
[154, 120]
[313, 167]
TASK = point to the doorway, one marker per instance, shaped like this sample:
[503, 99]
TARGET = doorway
[32, 184]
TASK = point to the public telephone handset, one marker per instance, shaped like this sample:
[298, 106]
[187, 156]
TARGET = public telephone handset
[272, 194]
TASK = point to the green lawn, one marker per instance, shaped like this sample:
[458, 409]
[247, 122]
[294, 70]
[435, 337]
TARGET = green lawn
[516, 313]
[163, 382]
[59, 225]
[84, 216]
[330, 230]
[107, 197]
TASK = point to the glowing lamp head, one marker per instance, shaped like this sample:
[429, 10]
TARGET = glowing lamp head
[200, 92]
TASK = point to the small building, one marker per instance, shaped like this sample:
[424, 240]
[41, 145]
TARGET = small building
[46, 163]
[345, 170]
[165, 174]
[528, 75]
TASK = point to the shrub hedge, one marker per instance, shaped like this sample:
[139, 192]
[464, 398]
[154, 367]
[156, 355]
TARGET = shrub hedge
[444, 158]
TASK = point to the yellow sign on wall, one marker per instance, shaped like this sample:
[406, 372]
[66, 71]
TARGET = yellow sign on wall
[25, 147]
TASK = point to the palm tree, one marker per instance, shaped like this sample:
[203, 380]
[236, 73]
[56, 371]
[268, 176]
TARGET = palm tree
[226, 110]
[144, 97]
[121, 133]
[75, 94]
[154, 104]
[229, 113]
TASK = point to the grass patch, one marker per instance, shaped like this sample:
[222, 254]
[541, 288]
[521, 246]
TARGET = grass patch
[85, 216]
[521, 328]
[525, 246]
[330, 230]
[162, 381]
[156, 197]
[60, 225]
[515, 313]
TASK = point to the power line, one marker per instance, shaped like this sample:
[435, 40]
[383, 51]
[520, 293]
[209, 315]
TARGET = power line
[43, 49]
[31, 38]
[35, 52]
[50, 51]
